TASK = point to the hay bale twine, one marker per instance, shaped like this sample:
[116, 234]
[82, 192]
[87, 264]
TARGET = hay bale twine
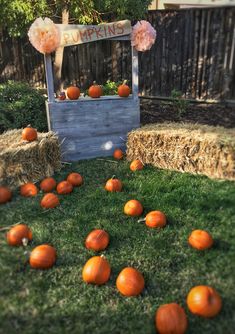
[193, 148]
[22, 161]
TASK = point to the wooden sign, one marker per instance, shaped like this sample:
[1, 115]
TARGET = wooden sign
[72, 34]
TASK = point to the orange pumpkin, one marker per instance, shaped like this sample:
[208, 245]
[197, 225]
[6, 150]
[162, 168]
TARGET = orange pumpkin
[42, 257]
[28, 189]
[136, 165]
[48, 184]
[5, 194]
[133, 208]
[73, 92]
[124, 90]
[17, 234]
[97, 240]
[118, 154]
[64, 187]
[75, 179]
[171, 318]
[200, 240]
[95, 90]
[155, 219]
[130, 282]
[204, 300]
[96, 270]
[113, 185]
[50, 201]
[29, 133]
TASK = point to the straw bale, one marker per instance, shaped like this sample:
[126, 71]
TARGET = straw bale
[193, 148]
[22, 161]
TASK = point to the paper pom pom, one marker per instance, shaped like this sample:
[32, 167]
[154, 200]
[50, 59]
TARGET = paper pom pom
[143, 36]
[44, 35]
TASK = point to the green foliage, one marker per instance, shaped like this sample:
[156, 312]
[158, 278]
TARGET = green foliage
[17, 15]
[179, 103]
[110, 87]
[58, 301]
[21, 105]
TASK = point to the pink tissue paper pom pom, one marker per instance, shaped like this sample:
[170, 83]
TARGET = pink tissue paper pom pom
[143, 36]
[44, 35]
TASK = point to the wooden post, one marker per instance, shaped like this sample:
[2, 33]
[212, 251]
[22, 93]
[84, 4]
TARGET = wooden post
[49, 78]
[135, 78]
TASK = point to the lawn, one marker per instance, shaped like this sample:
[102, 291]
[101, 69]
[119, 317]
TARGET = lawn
[58, 301]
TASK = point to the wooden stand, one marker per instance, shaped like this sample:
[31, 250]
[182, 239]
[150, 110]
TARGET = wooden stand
[89, 127]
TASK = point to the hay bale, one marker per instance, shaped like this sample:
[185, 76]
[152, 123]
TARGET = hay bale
[193, 148]
[22, 161]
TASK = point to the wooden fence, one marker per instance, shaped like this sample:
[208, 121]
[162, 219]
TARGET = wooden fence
[194, 53]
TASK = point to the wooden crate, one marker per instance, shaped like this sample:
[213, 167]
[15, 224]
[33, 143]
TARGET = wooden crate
[89, 127]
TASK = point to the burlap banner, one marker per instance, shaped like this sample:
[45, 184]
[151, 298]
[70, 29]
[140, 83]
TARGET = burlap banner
[78, 34]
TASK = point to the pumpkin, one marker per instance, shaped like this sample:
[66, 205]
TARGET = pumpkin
[113, 185]
[64, 187]
[28, 189]
[133, 208]
[29, 133]
[124, 90]
[136, 165]
[96, 270]
[48, 184]
[50, 201]
[5, 194]
[73, 92]
[97, 240]
[118, 154]
[200, 240]
[17, 234]
[62, 96]
[171, 319]
[75, 179]
[204, 300]
[42, 257]
[130, 282]
[95, 90]
[155, 219]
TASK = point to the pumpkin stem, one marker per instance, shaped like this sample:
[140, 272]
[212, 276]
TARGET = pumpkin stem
[94, 83]
[102, 255]
[124, 82]
[141, 220]
[28, 126]
[113, 177]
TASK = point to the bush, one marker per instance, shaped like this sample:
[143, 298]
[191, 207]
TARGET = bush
[21, 105]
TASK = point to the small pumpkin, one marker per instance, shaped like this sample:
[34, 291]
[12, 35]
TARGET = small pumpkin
[113, 185]
[73, 92]
[75, 179]
[17, 234]
[28, 190]
[171, 318]
[64, 187]
[48, 184]
[42, 257]
[136, 165]
[200, 240]
[118, 154]
[155, 219]
[95, 90]
[96, 270]
[5, 194]
[97, 240]
[204, 301]
[130, 282]
[124, 90]
[133, 208]
[29, 133]
[50, 201]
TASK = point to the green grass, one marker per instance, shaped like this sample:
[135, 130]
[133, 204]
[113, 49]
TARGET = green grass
[58, 301]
